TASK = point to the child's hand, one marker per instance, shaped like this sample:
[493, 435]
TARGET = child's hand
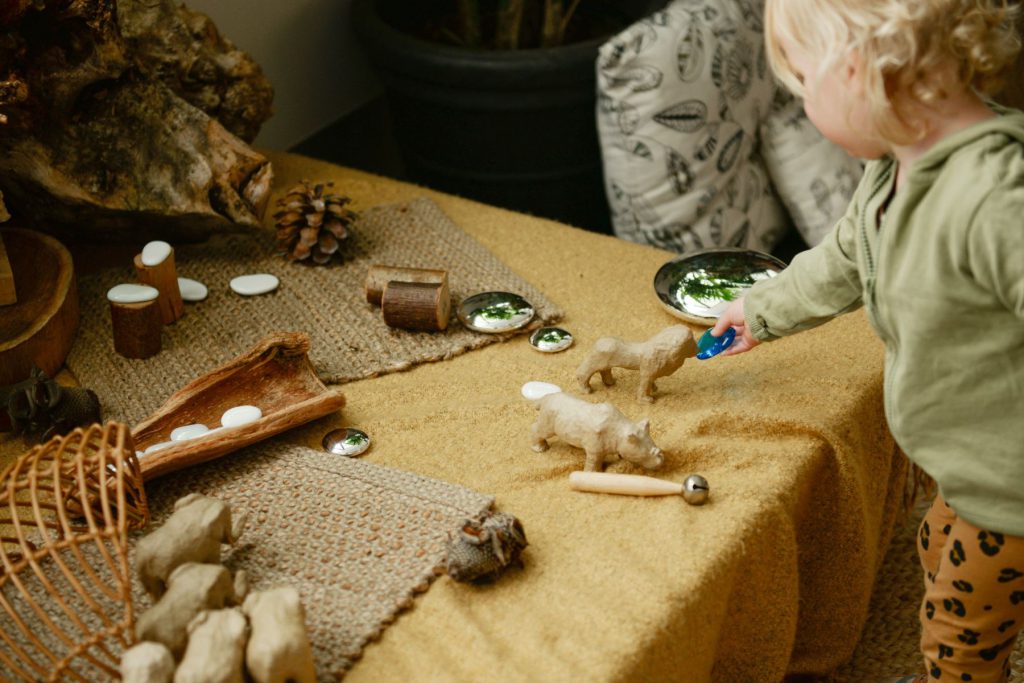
[733, 317]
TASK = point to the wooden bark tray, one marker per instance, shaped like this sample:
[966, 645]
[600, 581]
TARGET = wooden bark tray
[40, 327]
[275, 375]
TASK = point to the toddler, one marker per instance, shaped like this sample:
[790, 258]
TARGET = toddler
[932, 245]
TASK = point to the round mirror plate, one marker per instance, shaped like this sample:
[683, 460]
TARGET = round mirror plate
[551, 339]
[349, 442]
[698, 287]
[495, 312]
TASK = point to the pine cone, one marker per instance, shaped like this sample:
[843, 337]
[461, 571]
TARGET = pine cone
[311, 224]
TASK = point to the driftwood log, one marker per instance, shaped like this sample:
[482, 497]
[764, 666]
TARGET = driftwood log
[128, 119]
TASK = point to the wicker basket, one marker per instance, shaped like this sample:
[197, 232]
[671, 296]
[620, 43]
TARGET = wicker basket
[65, 589]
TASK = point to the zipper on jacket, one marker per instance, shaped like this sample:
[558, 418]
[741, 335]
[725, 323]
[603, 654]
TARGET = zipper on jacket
[884, 178]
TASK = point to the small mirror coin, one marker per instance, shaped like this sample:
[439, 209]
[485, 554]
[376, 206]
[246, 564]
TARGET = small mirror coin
[551, 339]
[495, 312]
[348, 442]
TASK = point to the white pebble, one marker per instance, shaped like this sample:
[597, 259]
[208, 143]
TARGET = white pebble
[240, 415]
[157, 447]
[187, 432]
[131, 294]
[538, 390]
[192, 290]
[252, 285]
[154, 253]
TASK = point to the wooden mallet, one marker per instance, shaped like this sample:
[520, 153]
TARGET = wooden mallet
[694, 488]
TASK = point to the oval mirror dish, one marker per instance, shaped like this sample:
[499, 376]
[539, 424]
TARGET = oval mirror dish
[698, 287]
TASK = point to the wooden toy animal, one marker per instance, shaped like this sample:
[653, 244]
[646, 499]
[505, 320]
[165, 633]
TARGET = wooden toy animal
[216, 647]
[278, 649]
[147, 663]
[193, 533]
[659, 356]
[191, 588]
[604, 433]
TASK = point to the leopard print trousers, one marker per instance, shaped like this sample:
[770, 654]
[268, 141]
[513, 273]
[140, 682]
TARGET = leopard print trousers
[973, 606]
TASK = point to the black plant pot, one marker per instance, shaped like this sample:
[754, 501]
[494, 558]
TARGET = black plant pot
[514, 128]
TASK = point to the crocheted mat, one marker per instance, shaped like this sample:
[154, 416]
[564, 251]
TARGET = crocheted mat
[357, 540]
[349, 339]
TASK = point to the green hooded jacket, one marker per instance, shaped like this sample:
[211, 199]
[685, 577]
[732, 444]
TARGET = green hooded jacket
[942, 278]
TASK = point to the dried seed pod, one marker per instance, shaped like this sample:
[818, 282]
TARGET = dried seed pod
[484, 546]
[41, 407]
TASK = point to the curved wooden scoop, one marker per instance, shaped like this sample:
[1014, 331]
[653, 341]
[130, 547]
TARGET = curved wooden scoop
[276, 376]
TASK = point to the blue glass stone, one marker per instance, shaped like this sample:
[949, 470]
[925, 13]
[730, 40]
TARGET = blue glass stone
[709, 345]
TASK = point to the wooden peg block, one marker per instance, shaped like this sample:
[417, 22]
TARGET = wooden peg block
[8, 295]
[378, 276]
[137, 328]
[416, 305]
[164, 277]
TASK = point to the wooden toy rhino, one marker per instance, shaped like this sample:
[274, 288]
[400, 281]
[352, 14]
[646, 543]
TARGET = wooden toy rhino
[604, 433]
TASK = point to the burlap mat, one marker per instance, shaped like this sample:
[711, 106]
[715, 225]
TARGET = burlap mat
[349, 339]
[357, 540]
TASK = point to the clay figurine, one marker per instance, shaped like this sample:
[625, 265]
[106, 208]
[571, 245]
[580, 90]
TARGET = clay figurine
[40, 406]
[659, 356]
[216, 646]
[191, 588]
[147, 663]
[193, 533]
[278, 649]
[599, 429]
[485, 546]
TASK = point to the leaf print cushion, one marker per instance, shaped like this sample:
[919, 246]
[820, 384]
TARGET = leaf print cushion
[699, 142]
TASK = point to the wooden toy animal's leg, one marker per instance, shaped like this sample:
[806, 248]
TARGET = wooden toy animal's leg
[539, 437]
[606, 377]
[594, 463]
[583, 376]
[645, 392]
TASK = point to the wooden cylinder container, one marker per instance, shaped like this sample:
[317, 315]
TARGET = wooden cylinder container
[379, 276]
[137, 328]
[416, 305]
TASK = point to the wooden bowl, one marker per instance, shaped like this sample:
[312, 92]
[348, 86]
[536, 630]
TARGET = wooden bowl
[40, 328]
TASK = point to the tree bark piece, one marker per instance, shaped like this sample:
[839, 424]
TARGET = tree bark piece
[416, 305]
[137, 328]
[379, 276]
[164, 278]
[275, 375]
[8, 295]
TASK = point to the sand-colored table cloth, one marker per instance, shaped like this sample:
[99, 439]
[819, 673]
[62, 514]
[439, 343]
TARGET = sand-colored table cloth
[773, 575]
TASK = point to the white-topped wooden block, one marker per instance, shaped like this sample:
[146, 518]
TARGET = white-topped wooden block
[131, 294]
[155, 253]
[255, 284]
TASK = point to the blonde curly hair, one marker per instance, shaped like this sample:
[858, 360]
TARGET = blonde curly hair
[909, 49]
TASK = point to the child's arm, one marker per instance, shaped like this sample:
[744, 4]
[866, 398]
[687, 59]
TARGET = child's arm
[818, 285]
[996, 248]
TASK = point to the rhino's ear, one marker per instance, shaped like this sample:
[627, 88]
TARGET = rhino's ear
[645, 426]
